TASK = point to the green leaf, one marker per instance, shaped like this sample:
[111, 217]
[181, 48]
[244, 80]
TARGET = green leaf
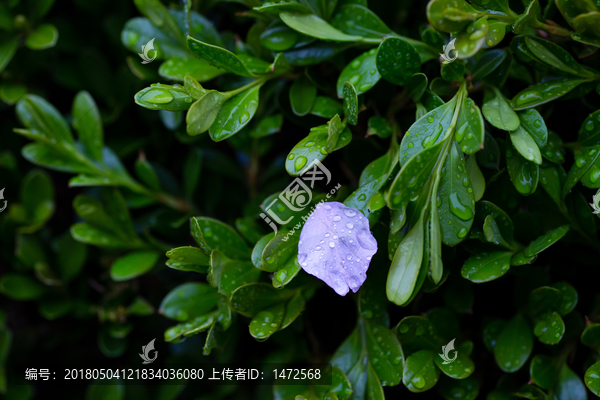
[544, 299]
[571, 9]
[462, 367]
[361, 73]
[491, 332]
[42, 118]
[526, 145]
[533, 123]
[86, 233]
[350, 103]
[8, 48]
[463, 389]
[358, 20]
[488, 62]
[219, 57]
[569, 385]
[204, 111]
[139, 31]
[544, 371]
[551, 182]
[302, 96]
[584, 169]
[133, 265]
[555, 56]
[543, 93]
[101, 391]
[326, 107]
[11, 93]
[43, 37]
[523, 174]
[417, 333]
[71, 256]
[177, 68]
[569, 297]
[486, 267]
[266, 322]
[188, 259]
[450, 15]
[21, 287]
[160, 17]
[88, 124]
[453, 71]
[546, 240]
[313, 26]
[385, 353]
[267, 126]
[476, 177]
[514, 345]
[286, 273]
[164, 97]
[456, 204]
[549, 328]
[427, 131]
[498, 113]
[211, 234]
[189, 301]
[416, 86]
[489, 156]
[226, 274]
[235, 114]
[592, 378]
[278, 251]
[404, 271]
[252, 298]
[469, 42]
[397, 61]
[279, 38]
[528, 18]
[420, 372]
[311, 148]
[589, 134]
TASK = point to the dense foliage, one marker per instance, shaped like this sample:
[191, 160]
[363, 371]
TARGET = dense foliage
[465, 134]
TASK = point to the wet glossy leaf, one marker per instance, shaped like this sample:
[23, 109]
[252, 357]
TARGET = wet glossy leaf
[456, 202]
[164, 97]
[413, 176]
[358, 20]
[311, 148]
[585, 165]
[592, 378]
[496, 32]
[361, 73]
[549, 328]
[420, 372]
[544, 299]
[427, 131]
[302, 96]
[406, 265]
[336, 246]
[385, 353]
[514, 345]
[463, 389]
[523, 174]
[314, 26]
[450, 15]
[498, 112]
[453, 71]
[188, 301]
[397, 61]
[462, 367]
[491, 332]
[314, 53]
[571, 9]
[551, 182]
[524, 143]
[286, 273]
[40, 116]
[486, 267]
[417, 333]
[252, 298]
[43, 37]
[546, 240]
[350, 104]
[266, 322]
[188, 259]
[278, 251]
[543, 93]
[218, 57]
[569, 297]
[470, 131]
[469, 42]
[211, 234]
[589, 134]
[226, 274]
[326, 107]
[488, 62]
[591, 336]
[177, 68]
[555, 56]
[133, 265]
[235, 114]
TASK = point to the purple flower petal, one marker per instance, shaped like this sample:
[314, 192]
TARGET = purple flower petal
[336, 246]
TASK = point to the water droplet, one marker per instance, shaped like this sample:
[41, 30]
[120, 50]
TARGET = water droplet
[350, 213]
[458, 209]
[300, 162]
[430, 140]
[337, 218]
[331, 244]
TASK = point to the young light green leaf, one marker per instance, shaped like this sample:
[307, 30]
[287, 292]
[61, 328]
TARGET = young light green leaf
[450, 15]
[420, 372]
[314, 26]
[133, 265]
[177, 68]
[476, 177]
[164, 97]
[188, 259]
[498, 113]
[472, 39]
[203, 112]
[526, 145]
[43, 37]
